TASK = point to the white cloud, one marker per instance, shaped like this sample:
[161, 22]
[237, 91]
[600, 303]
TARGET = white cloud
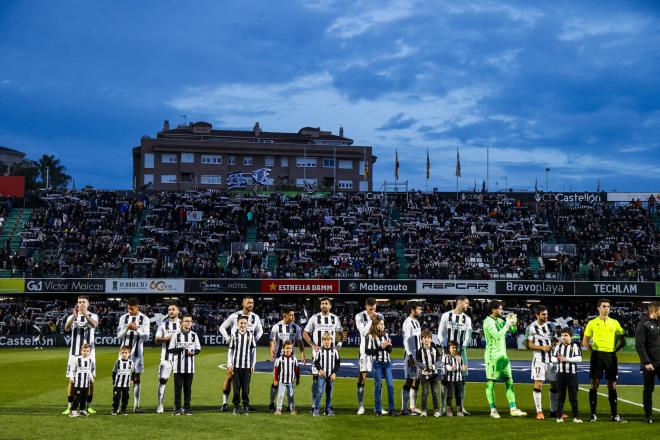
[373, 14]
[581, 28]
[632, 149]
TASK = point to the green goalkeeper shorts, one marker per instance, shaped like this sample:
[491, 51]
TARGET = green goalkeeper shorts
[498, 368]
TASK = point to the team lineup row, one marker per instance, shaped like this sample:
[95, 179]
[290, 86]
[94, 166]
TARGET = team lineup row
[440, 369]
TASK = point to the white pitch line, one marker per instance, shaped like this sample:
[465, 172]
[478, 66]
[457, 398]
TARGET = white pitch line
[619, 399]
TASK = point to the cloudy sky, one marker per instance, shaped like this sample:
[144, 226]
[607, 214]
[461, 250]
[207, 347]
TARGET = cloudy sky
[570, 86]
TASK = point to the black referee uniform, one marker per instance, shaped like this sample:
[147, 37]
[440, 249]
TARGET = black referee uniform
[647, 344]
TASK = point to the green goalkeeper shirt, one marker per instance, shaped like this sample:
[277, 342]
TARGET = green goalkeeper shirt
[495, 330]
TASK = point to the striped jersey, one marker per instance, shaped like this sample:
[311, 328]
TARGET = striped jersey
[453, 368]
[282, 332]
[230, 325]
[242, 349]
[374, 349]
[81, 333]
[541, 334]
[411, 336]
[320, 323]
[428, 358]
[165, 329]
[184, 343]
[121, 373]
[133, 338]
[286, 369]
[327, 359]
[455, 327]
[572, 352]
[363, 324]
[83, 372]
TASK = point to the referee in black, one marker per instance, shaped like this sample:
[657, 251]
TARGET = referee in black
[647, 343]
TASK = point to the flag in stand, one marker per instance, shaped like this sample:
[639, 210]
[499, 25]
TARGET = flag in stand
[396, 165]
[458, 164]
[428, 165]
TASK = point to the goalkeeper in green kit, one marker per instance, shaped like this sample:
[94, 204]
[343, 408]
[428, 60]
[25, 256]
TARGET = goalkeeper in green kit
[497, 362]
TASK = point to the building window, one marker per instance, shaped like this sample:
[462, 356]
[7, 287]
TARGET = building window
[269, 161]
[211, 180]
[346, 164]
[306, 162]
[187, 157]
[232, 160]
[168, 158]
[300, 182]
[148, 178]
[168, 178]
[328, 163]
[247, 160]
[345, 184]
[361, 170]
[211, 159]
[285, 162]
[149, 160]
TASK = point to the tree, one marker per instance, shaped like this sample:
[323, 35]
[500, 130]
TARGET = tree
[52, 172]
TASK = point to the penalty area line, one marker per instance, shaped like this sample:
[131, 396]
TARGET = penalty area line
[619, 399]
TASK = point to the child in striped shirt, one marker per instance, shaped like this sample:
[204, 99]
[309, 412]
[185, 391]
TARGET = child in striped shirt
[82, 376]
[427, 357]
[452, 381]
[285, 371]
[326, 361]
[567, 355]
[241, 359]
[121, 380]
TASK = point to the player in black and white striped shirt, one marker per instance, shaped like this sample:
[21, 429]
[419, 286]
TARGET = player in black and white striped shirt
[183, 347]
[363, 324]
[319, 324]
[228, 328]
[82, 376]
[456, 325]
[82, 325]
[285, 330]
[326, 362]
[132, 331]
[285, 373]
[121, 380]
[541, 335]
[412, 331]
[169, 327]
[240, 364]
[567, 355]
[379, 347]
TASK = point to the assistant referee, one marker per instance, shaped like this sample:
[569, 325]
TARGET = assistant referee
[604, 336]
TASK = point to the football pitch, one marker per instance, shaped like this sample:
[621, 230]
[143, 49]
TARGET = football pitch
[34, 394]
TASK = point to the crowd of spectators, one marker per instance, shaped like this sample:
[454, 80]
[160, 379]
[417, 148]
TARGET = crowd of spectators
[413, 235]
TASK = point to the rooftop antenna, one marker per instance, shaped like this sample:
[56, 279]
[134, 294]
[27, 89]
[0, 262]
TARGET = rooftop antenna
[185, 119]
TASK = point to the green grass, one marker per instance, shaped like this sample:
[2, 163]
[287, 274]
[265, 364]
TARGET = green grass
[33, 396]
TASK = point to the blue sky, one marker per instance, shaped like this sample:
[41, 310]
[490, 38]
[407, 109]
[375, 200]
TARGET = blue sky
[570, 86]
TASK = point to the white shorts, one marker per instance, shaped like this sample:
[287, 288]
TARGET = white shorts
[543, 371]
[72, 358]
[165, 370]
[366, 363]
[138, 364]
[410, 372]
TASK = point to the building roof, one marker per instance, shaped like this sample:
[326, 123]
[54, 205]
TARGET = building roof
[11, 151]
[306, 135]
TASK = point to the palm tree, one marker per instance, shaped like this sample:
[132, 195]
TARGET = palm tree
[52, 172]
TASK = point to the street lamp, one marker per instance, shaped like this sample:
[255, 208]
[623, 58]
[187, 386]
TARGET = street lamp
[547, 171]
